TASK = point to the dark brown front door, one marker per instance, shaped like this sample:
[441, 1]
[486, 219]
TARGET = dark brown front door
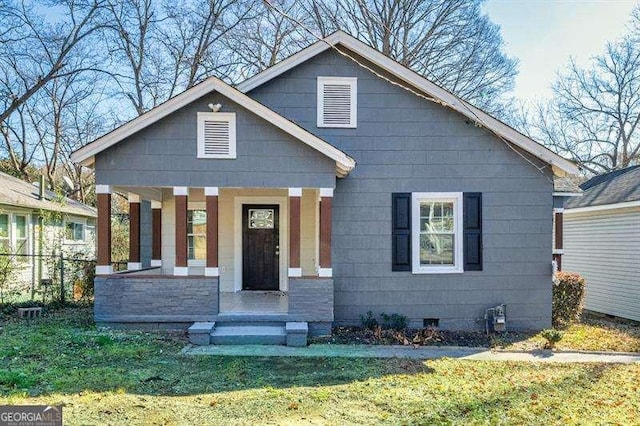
[260, 247]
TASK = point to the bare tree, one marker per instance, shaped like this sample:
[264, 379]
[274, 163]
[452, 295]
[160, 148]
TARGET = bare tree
[34, 52]
[195, 37]
[271, 36]
[595, 112]
[449, 41]
[132, 42]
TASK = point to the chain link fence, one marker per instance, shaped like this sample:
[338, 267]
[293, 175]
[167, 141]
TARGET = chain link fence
[45, 278]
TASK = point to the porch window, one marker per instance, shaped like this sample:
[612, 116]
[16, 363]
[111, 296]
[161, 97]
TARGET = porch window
[437, 232]
[197, 235]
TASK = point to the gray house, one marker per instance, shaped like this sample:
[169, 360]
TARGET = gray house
[602, 242]
[334, 183]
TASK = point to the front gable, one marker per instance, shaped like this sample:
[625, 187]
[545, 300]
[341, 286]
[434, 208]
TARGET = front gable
[166, 153]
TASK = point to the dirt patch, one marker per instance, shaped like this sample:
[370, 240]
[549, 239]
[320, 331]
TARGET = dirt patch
[420, 337]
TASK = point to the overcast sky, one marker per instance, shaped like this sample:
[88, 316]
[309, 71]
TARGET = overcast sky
[544, 34]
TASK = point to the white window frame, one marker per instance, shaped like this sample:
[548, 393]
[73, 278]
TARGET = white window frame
[27, 233]
[196, 205]
[456, 198]
[229, 117]
[13, 232]
[353, 83]
[84, 231]
[9, 231]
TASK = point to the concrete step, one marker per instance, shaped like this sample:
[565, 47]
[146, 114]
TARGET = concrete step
[248, 334]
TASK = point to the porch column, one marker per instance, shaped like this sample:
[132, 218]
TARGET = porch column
[558, 250]
[326, 199]
[180, 194]
[211, 198]
[103, 264]
[295, 269]
[156, 234]
[134, 263]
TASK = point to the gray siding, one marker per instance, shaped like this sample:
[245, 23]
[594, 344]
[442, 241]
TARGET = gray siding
[406, 144]
[164, 155]
[145, 233]
[605, 248]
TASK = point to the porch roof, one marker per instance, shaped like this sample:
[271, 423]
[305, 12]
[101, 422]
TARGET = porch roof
[86, 154]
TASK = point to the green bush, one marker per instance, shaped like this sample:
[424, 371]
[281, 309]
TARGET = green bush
[396, 322]
[568, 298]
[552, 336]
[369, 321]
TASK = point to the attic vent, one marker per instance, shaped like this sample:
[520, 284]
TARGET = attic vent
[337, 102]
[216, 135]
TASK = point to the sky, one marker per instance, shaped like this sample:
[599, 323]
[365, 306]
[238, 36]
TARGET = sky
[545, 34]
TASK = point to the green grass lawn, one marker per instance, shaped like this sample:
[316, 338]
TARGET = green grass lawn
[591, 334]
[140, 378]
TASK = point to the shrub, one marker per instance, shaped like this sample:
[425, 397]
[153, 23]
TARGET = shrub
[369, 321]
[568, 298]
[552, 336]
[396, 322]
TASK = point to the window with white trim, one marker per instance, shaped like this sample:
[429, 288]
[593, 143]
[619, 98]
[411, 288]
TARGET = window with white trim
[5, 235]
[74, 231]
[216, 135]
[21, 234]
[196, 235]
[437, 232]
[337, 102]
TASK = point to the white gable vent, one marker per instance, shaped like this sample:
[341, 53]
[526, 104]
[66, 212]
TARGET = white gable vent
[337, 101]
[216, 135]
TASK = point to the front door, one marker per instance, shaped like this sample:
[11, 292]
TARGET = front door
[260, 247]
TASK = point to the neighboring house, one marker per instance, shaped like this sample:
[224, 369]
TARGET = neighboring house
[36, 224]
[602, 242]
[346, 188]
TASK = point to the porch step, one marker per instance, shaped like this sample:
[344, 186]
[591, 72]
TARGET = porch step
[249, 334]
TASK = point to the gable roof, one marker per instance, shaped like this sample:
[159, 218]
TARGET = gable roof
[566, 186]
[86, 154]
[18, 193]
[560, 165]
[619, 186]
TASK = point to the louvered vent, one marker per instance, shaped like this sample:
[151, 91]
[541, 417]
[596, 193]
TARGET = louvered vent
[216, 135]
[336, 102]
[216, 138]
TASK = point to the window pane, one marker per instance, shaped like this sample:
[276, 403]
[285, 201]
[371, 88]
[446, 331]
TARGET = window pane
[21, 226]
[22, 246]
[78, 231]
[197, 222]
[436, 249]
[69, 231]
[197, 247]
[4, 226]
[436, 216]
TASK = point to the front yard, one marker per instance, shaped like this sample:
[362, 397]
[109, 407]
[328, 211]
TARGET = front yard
[140, 378]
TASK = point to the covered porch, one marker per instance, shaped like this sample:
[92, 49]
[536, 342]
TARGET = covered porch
[211, 253]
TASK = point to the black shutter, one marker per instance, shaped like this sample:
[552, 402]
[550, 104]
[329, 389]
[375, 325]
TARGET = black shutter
[401, 231]
[472, 207]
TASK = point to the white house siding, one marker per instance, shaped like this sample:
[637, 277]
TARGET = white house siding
[30, 270]
[604, 246]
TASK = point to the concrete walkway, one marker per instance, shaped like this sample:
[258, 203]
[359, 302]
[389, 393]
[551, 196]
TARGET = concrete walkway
[424, 352]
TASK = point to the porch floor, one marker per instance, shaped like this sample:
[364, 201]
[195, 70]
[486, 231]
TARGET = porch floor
[254, 302]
